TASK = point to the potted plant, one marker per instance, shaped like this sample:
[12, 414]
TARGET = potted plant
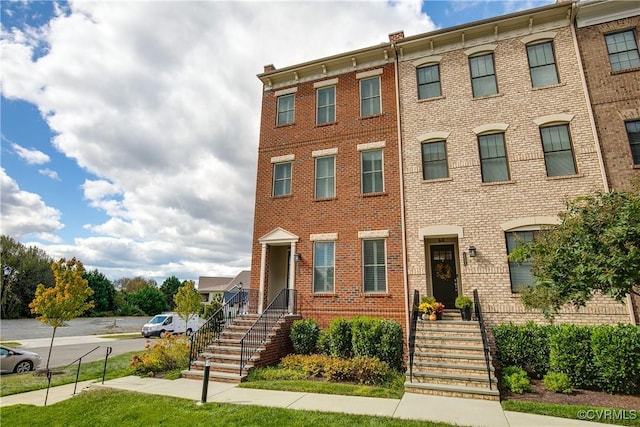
[431, 308]
[464, 303]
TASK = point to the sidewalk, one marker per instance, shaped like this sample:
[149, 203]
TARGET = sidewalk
[465, 412]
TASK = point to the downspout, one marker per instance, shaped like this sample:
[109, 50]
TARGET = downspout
[402, 211]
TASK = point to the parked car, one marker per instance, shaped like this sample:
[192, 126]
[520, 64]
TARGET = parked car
[18, 361]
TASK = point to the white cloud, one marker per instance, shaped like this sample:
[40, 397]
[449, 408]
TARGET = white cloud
[32, 157]
[50, 174]
[24, 213]
[160, 101]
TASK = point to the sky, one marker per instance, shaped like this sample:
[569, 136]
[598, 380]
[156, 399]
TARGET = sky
[130, 128]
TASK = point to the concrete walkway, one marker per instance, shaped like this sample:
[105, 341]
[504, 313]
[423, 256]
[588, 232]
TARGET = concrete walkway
[465, 412]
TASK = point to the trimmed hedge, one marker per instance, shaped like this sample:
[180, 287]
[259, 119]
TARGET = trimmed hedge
[363, 370]
[304, 336]
[603, 357]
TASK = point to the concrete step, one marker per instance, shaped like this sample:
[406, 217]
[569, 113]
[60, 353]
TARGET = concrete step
[461, 324]
[446, 349]
[471, 341]
[454, 391]
[451, 368]
[465, 379]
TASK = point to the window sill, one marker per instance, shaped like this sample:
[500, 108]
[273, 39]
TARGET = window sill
[377, 295]
[495, 95]
[627, 70]
[285, 125]
[434, 180]
[373, 116]
[324, 295]
[554, 178]
[435, 98]
[549, 86]
[489, 184]
[322, 125]
[381, 194]
[325, 199]
[635, 166]
[284, 196]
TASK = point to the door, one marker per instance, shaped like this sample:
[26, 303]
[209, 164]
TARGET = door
[444, 274]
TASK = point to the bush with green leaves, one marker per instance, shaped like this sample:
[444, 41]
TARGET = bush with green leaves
[169, 352]
[516, 379]
[570, 353]
[304, 335]
[526, 346]
[373, 337]
[363, 370]
[616, 357]
[557, 382]
[339, 338]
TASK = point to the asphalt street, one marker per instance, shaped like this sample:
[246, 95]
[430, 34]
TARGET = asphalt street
[26, 329]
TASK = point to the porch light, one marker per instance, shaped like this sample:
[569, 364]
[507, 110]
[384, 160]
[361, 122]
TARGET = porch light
[297, 257]
[472, 251]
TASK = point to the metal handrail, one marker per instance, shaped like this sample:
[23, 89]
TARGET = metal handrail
[210, 331]
[412, 331]
[256, 335]
[485, 340]
[79, 360]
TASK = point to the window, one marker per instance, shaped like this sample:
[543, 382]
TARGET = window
[325, 177]
[370, 96]
[375, 269]
[633, 132]
[483, 75]
[326, 99]
[281, 179]
[558, 155]
[434, 160]
[493, 158]
[520, 272]
[623, 50]
[428, 81]
[285, 109]
[542, 64]
[323, 266]
[372, 181]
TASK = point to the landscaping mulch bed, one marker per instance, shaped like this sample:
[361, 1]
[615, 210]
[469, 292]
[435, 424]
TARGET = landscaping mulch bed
[578, 397]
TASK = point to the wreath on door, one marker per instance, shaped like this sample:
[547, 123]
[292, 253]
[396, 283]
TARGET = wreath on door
[444, 271]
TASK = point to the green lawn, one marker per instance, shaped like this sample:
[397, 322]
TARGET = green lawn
[103, 407]
[576, 412]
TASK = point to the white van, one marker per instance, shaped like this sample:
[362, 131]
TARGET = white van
[169, 322]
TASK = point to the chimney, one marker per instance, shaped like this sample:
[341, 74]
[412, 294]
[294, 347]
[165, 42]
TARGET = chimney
[268, 68]
[394, 37]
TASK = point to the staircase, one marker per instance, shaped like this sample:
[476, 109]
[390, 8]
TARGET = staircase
[224, 354]
[449, 360]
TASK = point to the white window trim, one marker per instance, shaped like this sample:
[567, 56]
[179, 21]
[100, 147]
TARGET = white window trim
[432, 136]
[372, 146]
[386, 267]
[287, 91]
[539, 37]
[334, 104]
[313, 280]
[379, 93]
[323, 237]
[283, 159]
[373, 234]
[384, 185]
[325, 153]
[553, 118]
[490, 128]
[429, 60]
[370, 73]
[325, 83]
[315, 180]
[485, 48]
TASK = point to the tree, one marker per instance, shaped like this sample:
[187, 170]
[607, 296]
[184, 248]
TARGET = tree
[595, 249]
[135, 284]
[27, 266]
[169, 288]
[104, 294]
[64, 301]
[187, 301]
[149, 299]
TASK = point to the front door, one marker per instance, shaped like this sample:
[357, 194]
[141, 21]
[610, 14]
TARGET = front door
[444, 274]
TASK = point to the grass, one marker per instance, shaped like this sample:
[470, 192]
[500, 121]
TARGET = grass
[117, 366]
[113, 407]
[10, 343]
[122, 336]
[576, 412]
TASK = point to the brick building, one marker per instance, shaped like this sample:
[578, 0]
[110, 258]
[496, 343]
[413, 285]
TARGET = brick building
[496, 131]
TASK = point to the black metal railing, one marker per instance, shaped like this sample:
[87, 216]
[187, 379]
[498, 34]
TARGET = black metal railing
[236, 305]
[284, 302]
[79, 360]
[485, 341]
[412, 331]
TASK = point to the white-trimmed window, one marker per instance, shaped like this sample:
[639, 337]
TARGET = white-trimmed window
[493, 157]
[428, 78]
[372, 176]
[374, 265]
[323, 266]
[325, 177]
[434, 160]
[633, 133]
[370, 96]
[520, 272]
[326, 105]
[623, 50]
[483, 75]
[285, 109]
[558, 153]
[542, 64]
[281, 179]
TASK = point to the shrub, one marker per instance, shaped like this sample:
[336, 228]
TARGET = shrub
[525, 345]
[557, 382]
[313, 365]
[363, 370]
[372, 337]
[271, 373]
[169, 352]
[339, 338]
[304, 336]
[616, 356]
[323, 345]
[516, 379]
[570, 353]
